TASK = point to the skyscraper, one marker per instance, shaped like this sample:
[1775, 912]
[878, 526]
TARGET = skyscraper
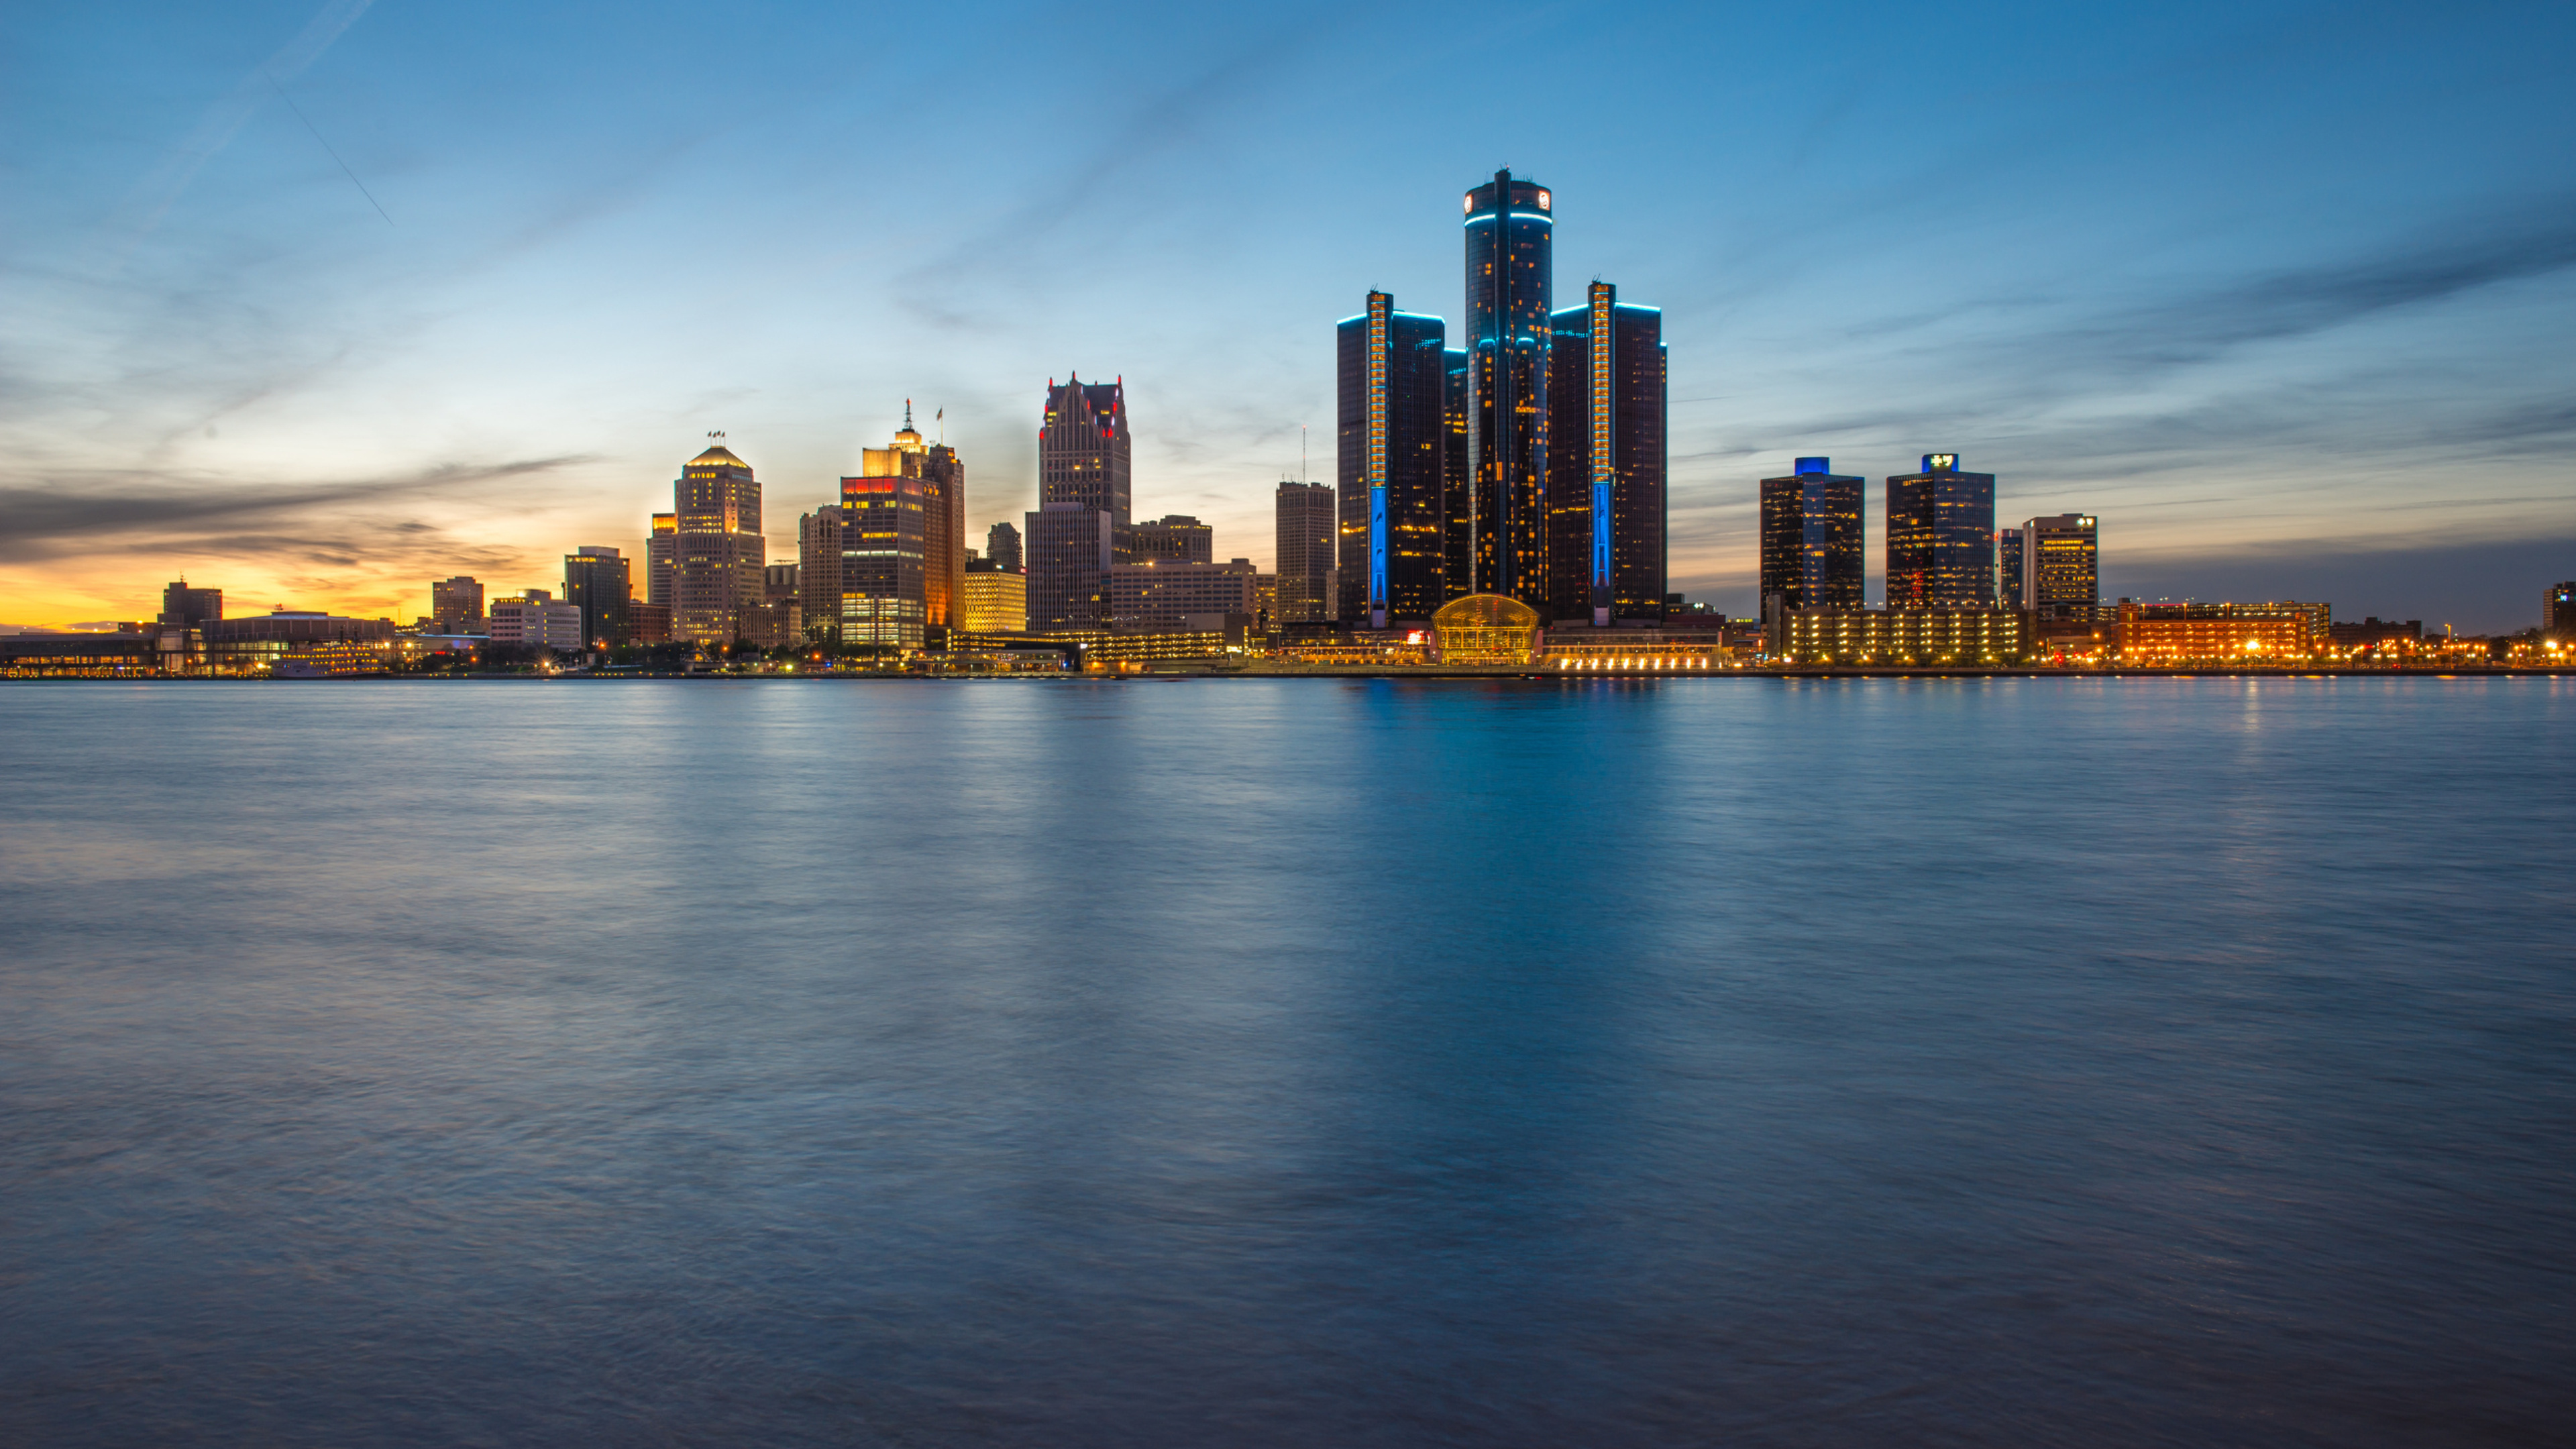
[718, 549]
[1811, 539]
[457, 604]
[2558, 612]
[884, 553]
[1605, 437]
[1080, 527]
[1457, 481]
[1389, 450]
[1941, 537]
[1002, 546]
[1305, 547]
[1510, 270]
[2062, 567]
[595, 581]
[818, 572]
[2008, 567]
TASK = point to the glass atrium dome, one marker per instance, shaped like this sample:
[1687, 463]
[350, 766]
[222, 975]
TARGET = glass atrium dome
[1486, 629]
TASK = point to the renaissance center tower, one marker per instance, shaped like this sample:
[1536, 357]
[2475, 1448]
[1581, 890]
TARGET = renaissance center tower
[1510, 266]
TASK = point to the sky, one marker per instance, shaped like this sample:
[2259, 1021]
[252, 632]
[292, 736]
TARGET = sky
[316, 302]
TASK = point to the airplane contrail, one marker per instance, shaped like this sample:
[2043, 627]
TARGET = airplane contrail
[223, 120]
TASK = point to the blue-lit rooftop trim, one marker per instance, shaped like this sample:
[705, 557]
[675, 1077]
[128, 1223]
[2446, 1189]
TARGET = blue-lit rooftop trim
[1516, 216]
[1347, 321]
[1423, 316]
[1633, 307]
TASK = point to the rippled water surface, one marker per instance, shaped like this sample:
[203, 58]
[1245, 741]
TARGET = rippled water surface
[1289, 1063]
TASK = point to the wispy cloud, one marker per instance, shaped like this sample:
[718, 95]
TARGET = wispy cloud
[144, 513]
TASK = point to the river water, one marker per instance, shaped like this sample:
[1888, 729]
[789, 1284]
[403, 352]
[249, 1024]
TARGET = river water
[1295, 1062]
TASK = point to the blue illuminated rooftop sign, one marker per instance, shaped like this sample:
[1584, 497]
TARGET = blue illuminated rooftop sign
[1815, 465]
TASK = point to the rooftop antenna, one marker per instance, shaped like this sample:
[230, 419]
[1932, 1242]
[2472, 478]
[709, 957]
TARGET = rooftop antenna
[941, 418]
[1301, 452]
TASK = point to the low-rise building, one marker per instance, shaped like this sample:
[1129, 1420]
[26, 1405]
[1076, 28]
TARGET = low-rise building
[1163, 593]
[1899, 636]
[2193, 631]
[536, 617]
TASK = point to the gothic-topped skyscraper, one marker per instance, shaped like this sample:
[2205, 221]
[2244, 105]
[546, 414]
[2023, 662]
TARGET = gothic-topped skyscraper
[1084, 495]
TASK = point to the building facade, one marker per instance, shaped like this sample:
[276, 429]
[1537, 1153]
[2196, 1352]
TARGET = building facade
[1002, 547]
[1941, 537]
[1169, 594]
[1304, 515]
[2557, 612]
[1605, 440]
[2061, 567]
[596, 583]
[537, 617]
[662, 560]
[2213, 632]
[2009, 563]
[456, 604]
[1388, 452]
[996, 600]
[1175, 537]
[1510, 273]
[718, 551]
[1811, 539]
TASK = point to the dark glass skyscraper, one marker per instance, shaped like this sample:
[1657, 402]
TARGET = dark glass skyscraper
[1457, 495]
[596, 581]
[1811, 539]
[1390, 448]
[1002, 547]
[1941, 537]
[1510, 266]
[1605, 498]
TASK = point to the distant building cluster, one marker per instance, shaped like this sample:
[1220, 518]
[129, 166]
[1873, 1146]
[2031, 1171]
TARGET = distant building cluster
[1498, 503]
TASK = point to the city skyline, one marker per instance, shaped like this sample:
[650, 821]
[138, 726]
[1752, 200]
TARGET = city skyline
[2307, 353]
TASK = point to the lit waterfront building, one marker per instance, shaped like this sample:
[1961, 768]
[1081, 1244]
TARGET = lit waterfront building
[1811, 539]
[1900, 636]
[2193, 630]
[1175, 595]
[1079, 530]
[456, 604]
[1940, 537]
[1457, 477]
[596, 583]
[2558, 612]
[1510, 273]
[996, 599]
[718, 551]
[1002, 547]
[1605, 441]
[1486, 629]
[1176, 538]
[1388, 450]
[2061, 566]
[1305, 552]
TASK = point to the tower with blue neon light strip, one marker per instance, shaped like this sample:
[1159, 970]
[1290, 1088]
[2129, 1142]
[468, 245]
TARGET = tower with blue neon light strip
[1390, 447]
[1605, 434]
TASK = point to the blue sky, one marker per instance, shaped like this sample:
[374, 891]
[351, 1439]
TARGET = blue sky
[320, 301]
